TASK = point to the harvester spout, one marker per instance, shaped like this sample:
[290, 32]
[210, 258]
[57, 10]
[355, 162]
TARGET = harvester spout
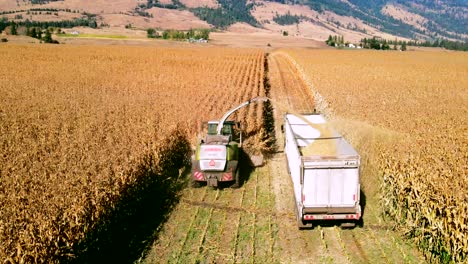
[228, 113]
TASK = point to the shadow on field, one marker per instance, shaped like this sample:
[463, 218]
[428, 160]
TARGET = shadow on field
[268, 114]
[246, 168]
[129, 230]
[363, 208]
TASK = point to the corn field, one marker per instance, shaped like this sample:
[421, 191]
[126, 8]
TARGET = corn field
[95, 139]
[406, 112]
[85, 129]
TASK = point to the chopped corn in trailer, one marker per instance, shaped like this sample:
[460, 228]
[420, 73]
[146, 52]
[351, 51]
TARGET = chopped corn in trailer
[324, 169]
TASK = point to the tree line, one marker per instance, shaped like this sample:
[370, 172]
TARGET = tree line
[155, 3]
[179, 35]
[443, 43]
[44, 35]
[41, 2]
[287, 19]
[380, 44]
[335, 41]
[83, 22]
[371, 43]
[383, 44]
[43, 30]
[41, 34]
[27, 11]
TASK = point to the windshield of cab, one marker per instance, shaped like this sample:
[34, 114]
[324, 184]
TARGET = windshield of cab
[227, 129]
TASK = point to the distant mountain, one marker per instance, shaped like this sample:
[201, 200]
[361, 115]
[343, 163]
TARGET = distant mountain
[316, 19]
[409, 18]
[413, 19]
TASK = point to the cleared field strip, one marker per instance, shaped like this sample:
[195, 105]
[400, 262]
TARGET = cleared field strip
[353, 245]
[336, 245]
[360, 245]
[291, 86]
[211, 225]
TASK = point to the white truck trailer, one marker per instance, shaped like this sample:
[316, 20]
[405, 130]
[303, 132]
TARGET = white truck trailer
[324, 169]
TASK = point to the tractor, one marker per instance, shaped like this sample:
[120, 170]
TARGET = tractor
[216, 157]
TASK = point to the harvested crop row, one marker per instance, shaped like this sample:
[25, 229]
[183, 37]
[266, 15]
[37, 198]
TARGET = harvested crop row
[86, 130]
[409, 109]
[232, 228]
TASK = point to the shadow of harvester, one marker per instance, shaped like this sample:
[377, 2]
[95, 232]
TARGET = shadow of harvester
[126, 232]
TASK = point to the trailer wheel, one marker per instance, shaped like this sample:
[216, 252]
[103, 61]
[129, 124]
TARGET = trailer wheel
[360, 222]
[236, 183]
[300, 223]
[302, 226]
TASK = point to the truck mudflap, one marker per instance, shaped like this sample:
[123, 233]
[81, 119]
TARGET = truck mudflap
[212, 178]
[301, 223]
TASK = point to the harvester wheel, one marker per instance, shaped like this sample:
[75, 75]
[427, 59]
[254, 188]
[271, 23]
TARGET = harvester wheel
[236, 183]
[194, 183]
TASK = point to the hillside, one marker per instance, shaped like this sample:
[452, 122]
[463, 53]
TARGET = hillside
[317, 19]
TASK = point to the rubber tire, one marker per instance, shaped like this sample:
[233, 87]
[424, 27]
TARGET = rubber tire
[236, 183]
[193, 183]
[300, 223]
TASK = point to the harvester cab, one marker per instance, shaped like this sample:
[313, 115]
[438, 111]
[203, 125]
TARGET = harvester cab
[231, 130]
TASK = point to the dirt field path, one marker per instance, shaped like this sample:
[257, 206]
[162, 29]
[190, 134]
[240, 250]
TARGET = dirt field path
[256, 223]
[374, 243]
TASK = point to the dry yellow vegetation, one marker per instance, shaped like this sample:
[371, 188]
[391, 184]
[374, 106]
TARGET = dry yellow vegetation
[85, 128]
[406, 113]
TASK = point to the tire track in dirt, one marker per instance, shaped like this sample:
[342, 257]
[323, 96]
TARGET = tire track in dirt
[192, 231]
[293, 246]
[291, 86]
[335, 247]
[201, 244]
[355, 247]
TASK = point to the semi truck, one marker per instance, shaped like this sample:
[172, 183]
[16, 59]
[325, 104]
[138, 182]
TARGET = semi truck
[324, 169]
